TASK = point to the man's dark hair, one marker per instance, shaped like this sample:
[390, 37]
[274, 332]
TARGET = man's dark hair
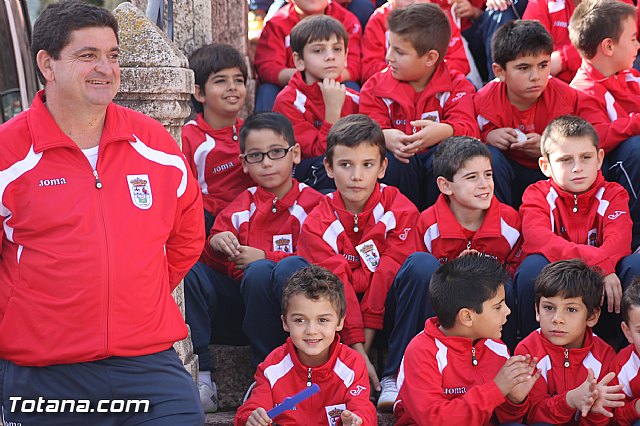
[315, 282]
[568, 279]
[452, 154]
[352, 131]
[424, 25]
[466, 282]
[273, 121]
[316, 28]
[211, 59]
[630, 299]
[596, 20]
[520, 38]
[52, 30]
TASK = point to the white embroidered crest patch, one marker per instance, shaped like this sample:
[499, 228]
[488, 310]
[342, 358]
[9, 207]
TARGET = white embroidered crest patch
[283, 243]
[140, 189]
[369, 254]
[334, 412]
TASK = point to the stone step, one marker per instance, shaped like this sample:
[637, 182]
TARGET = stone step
[225, 418]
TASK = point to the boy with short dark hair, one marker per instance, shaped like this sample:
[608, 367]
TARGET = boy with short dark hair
[417, 101]
[363, 231]
[457, 371]
[465, 219]
[313, 311]
[626, 363]
[574, 214]
[573, 361]
[513, 110]
[210, 142]
[248, 240]
[315, 99]
[605, 34]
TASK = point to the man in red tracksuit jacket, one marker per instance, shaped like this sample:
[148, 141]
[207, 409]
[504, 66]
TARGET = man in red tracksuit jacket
[274, 59]
[101, 220]
[375, 44]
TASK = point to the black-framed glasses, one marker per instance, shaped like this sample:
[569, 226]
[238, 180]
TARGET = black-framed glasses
[273, 154]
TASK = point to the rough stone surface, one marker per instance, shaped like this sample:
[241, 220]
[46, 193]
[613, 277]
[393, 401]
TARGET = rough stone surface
[232, 373]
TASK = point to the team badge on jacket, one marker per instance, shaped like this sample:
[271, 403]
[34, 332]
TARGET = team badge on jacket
[283, 243]
[369, 254]
[140, 190]
[334, 412]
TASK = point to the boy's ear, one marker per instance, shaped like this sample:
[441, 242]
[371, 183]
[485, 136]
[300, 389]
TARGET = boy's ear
[498, 71]
[383, 168]
[199, 94]
[431, 58]
[626, 331]
[465, 317]
[607, 46]
[284, 324]
[340, 324]
[328, 168]
[592, 320]
[537, 312]
[545, 167]
[298, 62]
[443, 185]
[295, 153]
[600, 157]
[245, 169]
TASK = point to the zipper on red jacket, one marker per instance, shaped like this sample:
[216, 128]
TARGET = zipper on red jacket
[98, 183]
[474, 361]
[566, 358]
[575, 203]
[309, 377]
[355, 223]
[274, 209]
[469, 245]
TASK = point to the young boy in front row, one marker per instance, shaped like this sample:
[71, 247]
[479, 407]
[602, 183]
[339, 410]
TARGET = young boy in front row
[575, 214]
[457, 371]
[313, 311]
[210, 142]
[465, 219]
[416, 100]
[513, 110]
[248, 240]
[626, 363]
[315, 98]
[573, 361]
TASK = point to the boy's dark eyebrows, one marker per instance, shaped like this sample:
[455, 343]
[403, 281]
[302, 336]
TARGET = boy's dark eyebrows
[499, 302]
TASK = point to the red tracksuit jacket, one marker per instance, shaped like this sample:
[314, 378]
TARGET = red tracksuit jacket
[494, 111]
[446, 99]
[87, 270]
[599, 232]
[464, 23]
[619, 95]
[343, 381]
[626, 365]
[440, 234]
[375, 44]
[250, 217]
[440, 385]
[548, 397]
[273, 53]
[329, 239]
[213, 158]
[303, 105]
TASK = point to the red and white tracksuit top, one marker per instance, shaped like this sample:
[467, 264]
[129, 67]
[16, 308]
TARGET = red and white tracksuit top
[251, 218]
[89, 259]
[375, 44]
[213, 157]
[448, 98]
[548, 397]
[273, 53]
[440, 234]
[626, 365]
[619, 95]
[303, 105]
[439, 384]
[384, 235]
[598, 232]
[494, 111]
[343, 382]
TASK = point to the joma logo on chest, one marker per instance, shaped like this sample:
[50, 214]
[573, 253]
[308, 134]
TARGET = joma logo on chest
[52, 182]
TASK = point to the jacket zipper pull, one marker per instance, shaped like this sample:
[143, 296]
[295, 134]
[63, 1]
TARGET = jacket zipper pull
[469, 245]
[355, 223]
[274, 209]
[575, 203]
[309, 378]
[474, 361]
[98, 183]
[566, 358]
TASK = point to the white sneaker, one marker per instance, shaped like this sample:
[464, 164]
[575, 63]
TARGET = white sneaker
[388, 394]
[208, 395]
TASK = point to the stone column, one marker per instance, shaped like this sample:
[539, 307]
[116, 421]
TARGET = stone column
[156, 81]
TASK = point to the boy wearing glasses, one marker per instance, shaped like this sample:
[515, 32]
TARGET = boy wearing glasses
[248, 239]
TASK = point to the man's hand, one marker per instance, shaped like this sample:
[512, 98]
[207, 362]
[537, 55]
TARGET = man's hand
[531, 147]
[583, 397]
[395, 139]
[246, 256]
[515, 370]
[430, 133]
[225, 243]
[259, 418]
[613, 290]
[350, 419]
[608, 396]
[500, 5]
[333, 94]
[520, 391]
[502, 138]
[464, 9]
[371, 370]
